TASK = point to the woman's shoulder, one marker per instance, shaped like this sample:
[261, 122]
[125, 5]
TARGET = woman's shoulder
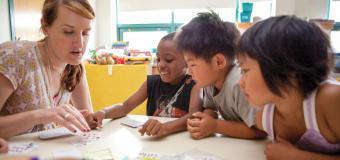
[17, 48]
[17, 44]
[18, 56]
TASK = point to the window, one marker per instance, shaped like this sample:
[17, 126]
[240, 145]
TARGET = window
[182, 16]
[334, 14]
[144, 17]
[142, 29]
[262, 9]
[143, 24]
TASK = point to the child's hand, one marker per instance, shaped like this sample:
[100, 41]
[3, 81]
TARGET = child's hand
[3, 146]
[281, 149]
[94, 120]
[153, 127]
[203, 125]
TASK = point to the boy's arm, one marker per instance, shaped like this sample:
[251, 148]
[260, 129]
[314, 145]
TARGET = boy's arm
[211, 112]
[194, 106]
[180, 123]
[208, 104]
[120, 110]
[237, 129]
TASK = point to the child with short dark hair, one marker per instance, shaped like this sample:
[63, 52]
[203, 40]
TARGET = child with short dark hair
[209, 46]
[171, 94]
[285, 64]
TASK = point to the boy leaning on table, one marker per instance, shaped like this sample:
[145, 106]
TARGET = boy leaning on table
[209, 46]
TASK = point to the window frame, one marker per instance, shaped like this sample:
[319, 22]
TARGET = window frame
[11, 19]
[169, 27]
[336, 26]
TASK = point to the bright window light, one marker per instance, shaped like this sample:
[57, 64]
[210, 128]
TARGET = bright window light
[146, 40]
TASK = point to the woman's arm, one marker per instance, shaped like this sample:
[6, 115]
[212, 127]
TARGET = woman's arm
[26, 120]
[7, 128]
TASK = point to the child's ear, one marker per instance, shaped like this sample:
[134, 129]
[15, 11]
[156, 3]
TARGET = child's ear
[220, 60]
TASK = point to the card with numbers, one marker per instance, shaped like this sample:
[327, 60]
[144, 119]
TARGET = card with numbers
[88, 138]
[21, 148]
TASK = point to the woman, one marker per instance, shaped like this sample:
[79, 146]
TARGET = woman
[43, 83]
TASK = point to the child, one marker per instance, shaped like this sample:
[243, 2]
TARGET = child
[171, 94]
[285, 64]
[3, 146]
[209, 45]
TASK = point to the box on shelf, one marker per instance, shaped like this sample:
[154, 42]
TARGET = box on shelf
[110, 84]
[245, 16]
[247, 7]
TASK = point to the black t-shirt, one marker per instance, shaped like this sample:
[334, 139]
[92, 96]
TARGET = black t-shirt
[160, 94]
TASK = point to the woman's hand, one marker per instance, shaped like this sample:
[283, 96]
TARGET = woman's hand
[153, 127]
[3, 146]
[67, 116]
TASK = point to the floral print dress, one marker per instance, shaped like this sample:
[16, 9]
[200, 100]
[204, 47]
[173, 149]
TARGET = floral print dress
[21, 63]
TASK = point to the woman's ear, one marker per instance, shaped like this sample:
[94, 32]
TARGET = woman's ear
[220, 60]
[43, 27]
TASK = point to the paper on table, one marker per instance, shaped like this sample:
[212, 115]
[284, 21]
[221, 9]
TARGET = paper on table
[196, 154]
[67, 153]
[99, 154]
[21, 148]
[149, 156]
[131, 122]
[88, 139]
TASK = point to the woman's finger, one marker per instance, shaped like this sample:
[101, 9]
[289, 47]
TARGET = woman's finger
[69, 108]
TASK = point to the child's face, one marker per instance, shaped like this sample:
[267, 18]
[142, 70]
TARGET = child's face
[252, 82]
[170, 62]
[203, 72]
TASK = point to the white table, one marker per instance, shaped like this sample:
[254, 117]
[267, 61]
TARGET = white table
[123, 140]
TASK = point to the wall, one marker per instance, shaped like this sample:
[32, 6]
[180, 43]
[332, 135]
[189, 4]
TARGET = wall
[301, 8]
[106, 19]
[27, 15]
[282, 7]
[127, 5]
[311, 8]
[4, 19]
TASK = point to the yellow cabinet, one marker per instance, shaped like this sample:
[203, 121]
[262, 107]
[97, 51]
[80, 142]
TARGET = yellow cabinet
[110, 84]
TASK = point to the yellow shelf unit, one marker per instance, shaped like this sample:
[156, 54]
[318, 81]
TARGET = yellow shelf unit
[114, 84]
